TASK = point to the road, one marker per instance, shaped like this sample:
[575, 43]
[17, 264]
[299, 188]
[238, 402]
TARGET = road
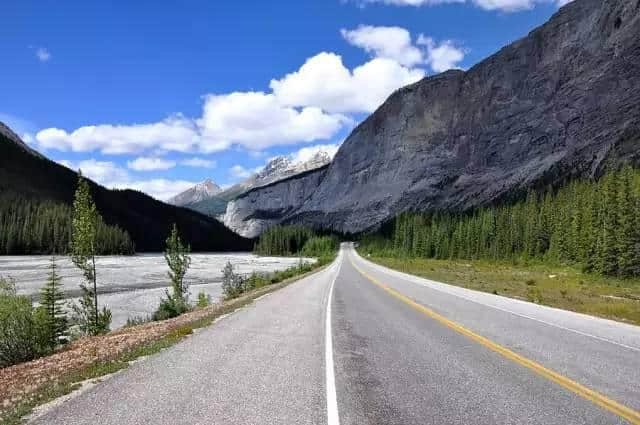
[360, 344]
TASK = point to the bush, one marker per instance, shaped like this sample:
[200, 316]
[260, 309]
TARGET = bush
[170, 307]
[137, 320]
[232, 284]
[204, 300]
[23, 329]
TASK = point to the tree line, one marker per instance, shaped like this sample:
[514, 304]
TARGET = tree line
[594, 224]
[294, 240]
[32, 226]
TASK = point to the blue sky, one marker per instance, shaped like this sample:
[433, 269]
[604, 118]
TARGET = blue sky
[160, 95]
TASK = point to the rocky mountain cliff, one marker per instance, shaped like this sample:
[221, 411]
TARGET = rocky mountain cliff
[278, 168]
[197, 193]
[564, 101]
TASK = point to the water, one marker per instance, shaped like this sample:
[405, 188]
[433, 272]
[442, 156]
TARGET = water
[133, 286]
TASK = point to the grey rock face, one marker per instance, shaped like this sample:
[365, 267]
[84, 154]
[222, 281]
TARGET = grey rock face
[260, 208]
[279, 168]
[200, 192]
[562, 102]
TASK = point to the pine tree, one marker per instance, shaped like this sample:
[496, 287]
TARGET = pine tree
[627, 231]
[85, 222]
[608, 246]
[178, 260]
[51, 300]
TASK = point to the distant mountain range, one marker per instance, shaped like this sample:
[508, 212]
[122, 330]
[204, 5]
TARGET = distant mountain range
[209, 199]
[205, 190]
[26, 174]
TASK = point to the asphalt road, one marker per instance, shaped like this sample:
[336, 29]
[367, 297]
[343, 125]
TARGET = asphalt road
[360, 344]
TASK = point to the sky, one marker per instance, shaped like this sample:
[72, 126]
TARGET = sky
[158, 96]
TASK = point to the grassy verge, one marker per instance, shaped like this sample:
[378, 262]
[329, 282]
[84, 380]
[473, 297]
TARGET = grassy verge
[556, 286]
[64, 383]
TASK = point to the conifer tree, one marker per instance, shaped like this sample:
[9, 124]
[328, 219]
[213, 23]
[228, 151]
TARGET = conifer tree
[179, 261]
[51, 301]
[85, 222]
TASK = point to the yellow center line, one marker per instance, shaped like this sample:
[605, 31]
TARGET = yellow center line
[584, 392]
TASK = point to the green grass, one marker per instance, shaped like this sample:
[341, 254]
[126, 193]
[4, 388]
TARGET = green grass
[556, 286]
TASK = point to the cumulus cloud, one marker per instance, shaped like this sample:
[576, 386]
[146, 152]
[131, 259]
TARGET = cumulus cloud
[441, 56]
[240, 172]
[162, 189]
[198, 163]
[385, 42]
[99, 171]
[501, 5]
[323, 81]
[258, 120]
[310, 104]
[173, 134]
[112, 176]
[306, 153]
[150, 164]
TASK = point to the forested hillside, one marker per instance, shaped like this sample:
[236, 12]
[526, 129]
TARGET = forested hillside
[32, 180]
[595, 224]
[294, 240]
[32, 226]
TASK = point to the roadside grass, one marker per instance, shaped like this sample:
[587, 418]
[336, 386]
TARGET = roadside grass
[556, 286]
[67, 383]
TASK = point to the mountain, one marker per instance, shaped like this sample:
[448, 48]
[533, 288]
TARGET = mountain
[199, 192]
[277, 169]
[9, 135]
[25, 174]
[560, 103]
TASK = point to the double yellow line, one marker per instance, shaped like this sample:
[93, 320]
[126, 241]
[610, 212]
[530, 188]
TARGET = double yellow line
[584, 392]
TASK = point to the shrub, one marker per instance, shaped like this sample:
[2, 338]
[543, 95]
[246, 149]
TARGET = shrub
[204, 300]
[232, 284]
[170, 307]
[137, 320]
[23, 329]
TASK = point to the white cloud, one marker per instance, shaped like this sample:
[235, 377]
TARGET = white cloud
[443, 56]
[149, 164]
[198, 163]
[43, 54]
[99, 171]
[112, 176]
[173, 134]
[310, 104]
[385, 42]
[306, 153]
[323, 81]
[240, 172]
[257, 120]
[502, 5]
[162, 189]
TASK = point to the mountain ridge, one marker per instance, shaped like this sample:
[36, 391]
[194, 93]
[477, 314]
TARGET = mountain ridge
[146, 219]
[561, 102]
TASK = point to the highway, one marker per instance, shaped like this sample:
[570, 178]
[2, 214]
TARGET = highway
[357, 343]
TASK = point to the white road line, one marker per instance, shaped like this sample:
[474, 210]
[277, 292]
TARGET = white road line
[332, 399]
[426, 285]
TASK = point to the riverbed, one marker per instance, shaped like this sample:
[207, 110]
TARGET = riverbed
[132, 286]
